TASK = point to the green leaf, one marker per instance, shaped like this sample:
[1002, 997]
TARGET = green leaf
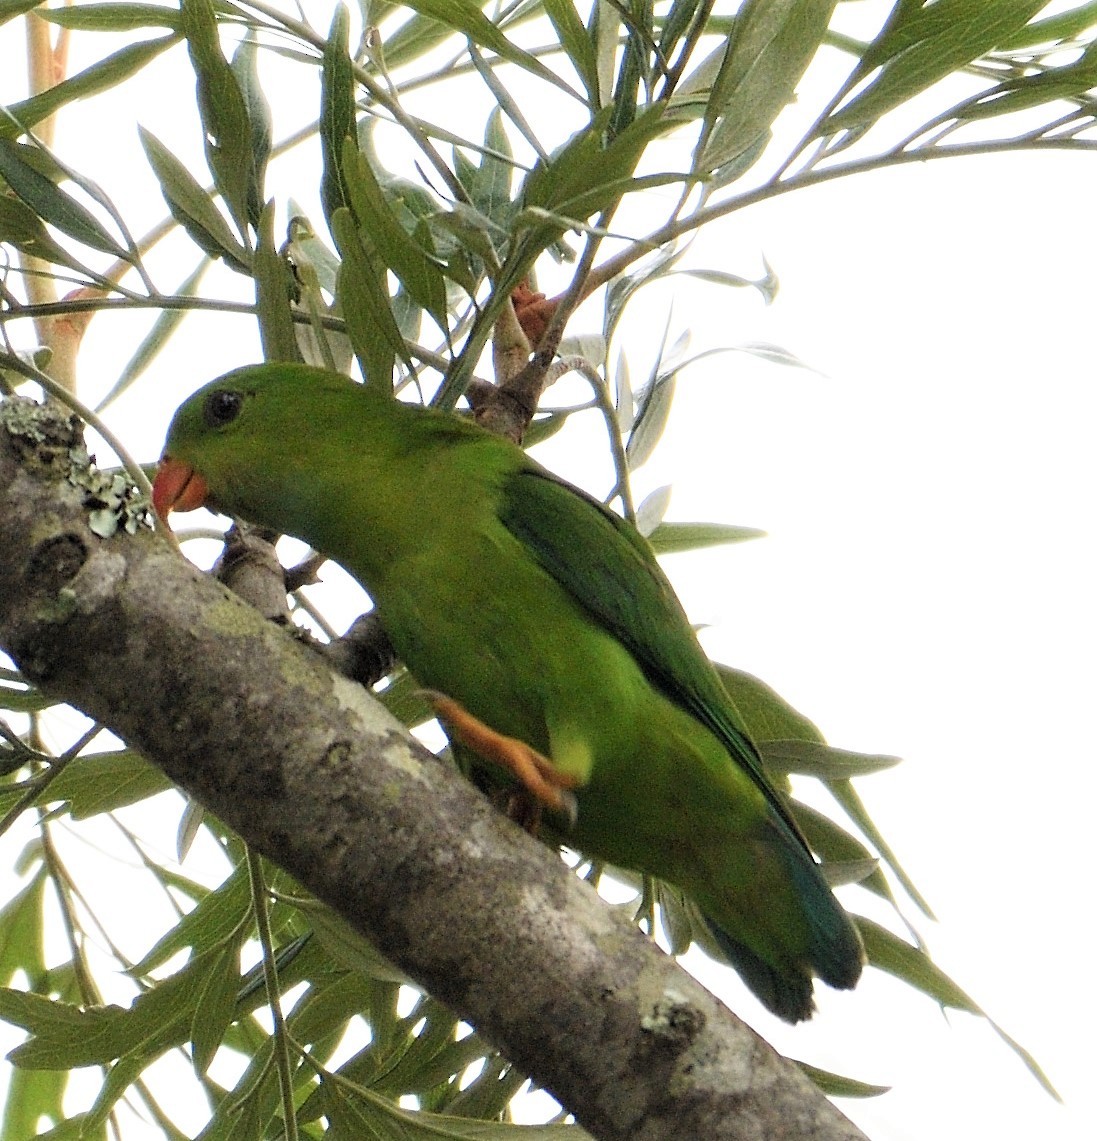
[847, 797]
[274, 288]
[348, 948]
[21, 931]
[216, 1006]
[413, 39]
[245, 68]
[768, 717]
[224, 114]
[337, 116]
[27, 699]
[331, 1003]
[209, 926]
[52, 204]
[112, 17]
[465, 17]
[489, 1095]
[314, 270]
[119, 1078]
[1053, 29]
[9, 9]
[923, 46]
[835, 1085]
[192, 207]
[167, 321]
[420, 274]
[670, 538]
[102, 782]
[1073, 80]
[769, 48]
[543, 427]
[488, 184]
[32, 1095]
[577, 43]
[364, 302]
[358, 1112]
[811, 758]
[63, 1035]
[651, 419]
[634, 73]
[102, 76]
[912, 965]
[66, 1036]
[587, 174]
[837, 847]
[679, 22]
[252, 1103]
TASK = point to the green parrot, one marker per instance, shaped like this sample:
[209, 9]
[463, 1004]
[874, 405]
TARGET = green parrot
[551, 642]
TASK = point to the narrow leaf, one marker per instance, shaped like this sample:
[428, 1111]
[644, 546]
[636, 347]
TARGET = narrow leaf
[769, 48]
[397, 249]
[577, 43]
[223, 111]
[216, 1006]
[337, 121]
[848, 798]
[157, 337]
[651, 511]
[211, 924]
[245, 68]
[768, 717]
[810, 758]
[9, 9]
[1052, 29]
[466, 18]
[365, 306]
[670, 538]
[925, 46]
[102, 76]
[52, 204]
[835, 1085]
[102, 782]
[273, 291]
[192, 207]
[117, 16]
[651, 420]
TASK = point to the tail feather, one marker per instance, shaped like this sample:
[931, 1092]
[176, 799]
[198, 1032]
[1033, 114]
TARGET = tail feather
[786, 993]
[835, 951]
[821, 940]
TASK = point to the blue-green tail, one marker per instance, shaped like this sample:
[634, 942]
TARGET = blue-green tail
[832, 950]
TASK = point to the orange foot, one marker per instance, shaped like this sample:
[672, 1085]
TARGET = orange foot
[533, 310]
[549, 787]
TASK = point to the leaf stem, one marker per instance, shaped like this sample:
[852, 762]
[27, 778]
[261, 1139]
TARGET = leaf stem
[282, 1058]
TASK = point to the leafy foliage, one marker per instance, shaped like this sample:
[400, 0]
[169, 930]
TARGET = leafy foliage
[583, 100]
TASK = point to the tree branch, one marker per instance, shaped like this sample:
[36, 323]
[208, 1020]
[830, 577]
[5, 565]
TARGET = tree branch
[315, 775]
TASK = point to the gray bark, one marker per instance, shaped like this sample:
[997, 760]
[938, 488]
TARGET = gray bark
[315, 775]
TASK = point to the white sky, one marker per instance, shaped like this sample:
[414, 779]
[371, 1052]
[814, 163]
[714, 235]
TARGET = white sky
[926, 589]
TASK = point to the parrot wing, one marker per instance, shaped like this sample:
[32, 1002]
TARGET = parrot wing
[604, 563]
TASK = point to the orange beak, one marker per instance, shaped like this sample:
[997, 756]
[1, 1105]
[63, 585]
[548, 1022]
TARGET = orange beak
[177, 487]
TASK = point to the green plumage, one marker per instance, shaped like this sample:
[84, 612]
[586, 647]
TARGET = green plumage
[547, 618]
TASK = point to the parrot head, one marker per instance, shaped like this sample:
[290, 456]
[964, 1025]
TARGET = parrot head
[236, 443]
[196, 429]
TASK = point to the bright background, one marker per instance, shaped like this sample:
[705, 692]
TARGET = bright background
[926, 588]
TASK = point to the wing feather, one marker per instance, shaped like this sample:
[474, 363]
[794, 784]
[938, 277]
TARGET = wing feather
[604, 563]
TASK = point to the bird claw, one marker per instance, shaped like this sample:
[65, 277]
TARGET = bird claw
[540, 779]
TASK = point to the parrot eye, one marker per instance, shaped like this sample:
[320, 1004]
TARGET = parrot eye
[222, 407]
